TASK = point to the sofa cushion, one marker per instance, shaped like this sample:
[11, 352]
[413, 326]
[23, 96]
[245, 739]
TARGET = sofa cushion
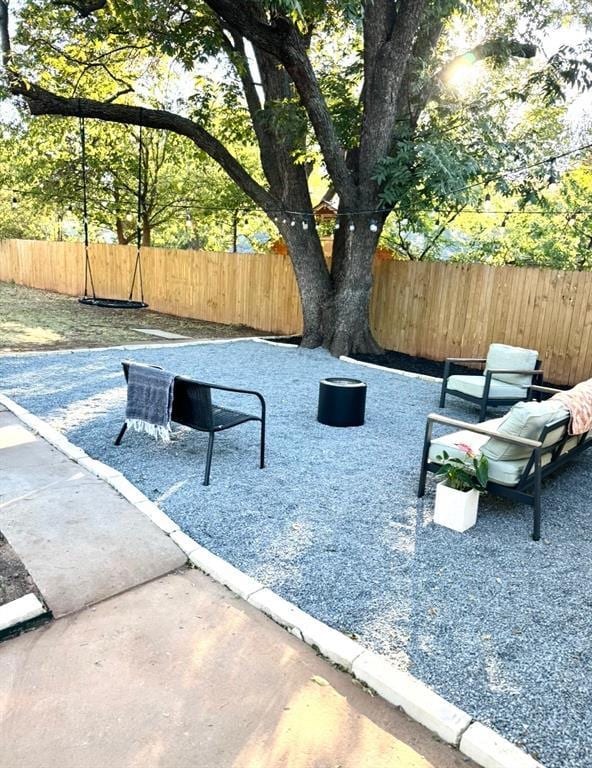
[503, 357]
[506, 472]
[525, 420]
[473, 385]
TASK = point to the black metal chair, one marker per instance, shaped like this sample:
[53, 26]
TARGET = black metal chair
[193, 407]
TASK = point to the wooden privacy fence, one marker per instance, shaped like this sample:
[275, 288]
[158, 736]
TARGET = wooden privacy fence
[433, 310]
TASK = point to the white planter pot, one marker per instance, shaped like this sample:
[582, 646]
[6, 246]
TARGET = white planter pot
[455, 509]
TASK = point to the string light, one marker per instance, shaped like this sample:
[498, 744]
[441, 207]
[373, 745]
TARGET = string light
[304, 224]
[373, 226]
[352, 227]
[14, 202]
[336, 227]
[293, 223]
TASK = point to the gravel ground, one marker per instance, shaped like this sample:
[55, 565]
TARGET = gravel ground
[495, 622]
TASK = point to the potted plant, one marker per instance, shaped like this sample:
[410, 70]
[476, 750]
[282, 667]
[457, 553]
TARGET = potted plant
[457, 496]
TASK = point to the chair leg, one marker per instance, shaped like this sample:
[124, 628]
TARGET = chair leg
[122, 432]
[483, 411]
[209, 459]
[536, 525]
[443, 394]
[262, 454]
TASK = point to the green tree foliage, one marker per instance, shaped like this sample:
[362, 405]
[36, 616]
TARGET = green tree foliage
[361, 89]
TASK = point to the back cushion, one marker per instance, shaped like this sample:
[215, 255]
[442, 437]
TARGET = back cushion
[506, 358]
[525, 420]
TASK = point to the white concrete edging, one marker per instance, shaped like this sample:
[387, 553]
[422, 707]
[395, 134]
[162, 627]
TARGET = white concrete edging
[156, 345]
[20, 610]
[490, 750]
[487, 748]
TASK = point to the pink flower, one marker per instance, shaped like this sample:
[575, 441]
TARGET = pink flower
[467, 449]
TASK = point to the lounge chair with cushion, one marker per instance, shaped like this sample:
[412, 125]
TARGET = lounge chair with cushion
[528, 444]
[508, 375]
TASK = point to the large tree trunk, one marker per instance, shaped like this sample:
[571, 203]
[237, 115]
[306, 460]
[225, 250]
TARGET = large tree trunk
[336, 304]
[351, 274]
[314, 283]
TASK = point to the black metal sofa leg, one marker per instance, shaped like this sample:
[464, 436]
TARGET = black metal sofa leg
[122, 432]
[209, 459]
[483, 411]
[536, 526]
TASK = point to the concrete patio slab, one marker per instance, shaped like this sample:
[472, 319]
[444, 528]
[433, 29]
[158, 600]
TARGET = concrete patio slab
[80, 541]
[181, 672]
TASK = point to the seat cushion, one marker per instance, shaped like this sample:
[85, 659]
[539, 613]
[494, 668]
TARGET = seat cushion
[451, 441]
[526, 420]
[506, 472]
[503, 357]
[473, 385]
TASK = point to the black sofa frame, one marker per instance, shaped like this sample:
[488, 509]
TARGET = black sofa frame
[193, 407]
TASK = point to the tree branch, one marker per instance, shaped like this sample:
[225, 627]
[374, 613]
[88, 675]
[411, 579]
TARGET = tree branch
[499, 50]
[83, 9]
[281, 40]
[43, 102]
[382, 83]
[4, 35]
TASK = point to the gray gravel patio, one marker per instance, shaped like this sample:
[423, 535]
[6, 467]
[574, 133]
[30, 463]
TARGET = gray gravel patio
[496, 623]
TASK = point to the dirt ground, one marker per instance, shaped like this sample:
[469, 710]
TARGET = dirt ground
[14, 579]
[31, 319]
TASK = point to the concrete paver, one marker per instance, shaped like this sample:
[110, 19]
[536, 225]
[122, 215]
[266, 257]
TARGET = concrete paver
[180, 672]
[80, 541]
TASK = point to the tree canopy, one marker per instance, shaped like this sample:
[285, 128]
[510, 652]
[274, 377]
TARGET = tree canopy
[362, 90]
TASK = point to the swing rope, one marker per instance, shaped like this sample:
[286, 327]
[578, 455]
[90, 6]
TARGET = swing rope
[87, 267]
[139, 219]
[88, 275]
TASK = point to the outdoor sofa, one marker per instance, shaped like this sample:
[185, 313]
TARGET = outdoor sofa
[522, 448]
[507, 378]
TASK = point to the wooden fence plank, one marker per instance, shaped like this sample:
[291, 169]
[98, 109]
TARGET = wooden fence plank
[434, 310]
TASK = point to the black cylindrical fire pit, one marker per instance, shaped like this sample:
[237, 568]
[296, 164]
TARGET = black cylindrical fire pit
[342, 402]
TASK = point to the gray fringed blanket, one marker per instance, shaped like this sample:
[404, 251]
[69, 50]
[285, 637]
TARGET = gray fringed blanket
[150, 400]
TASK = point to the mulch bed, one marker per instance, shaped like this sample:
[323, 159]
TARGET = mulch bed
[397, 360]
[15, 580]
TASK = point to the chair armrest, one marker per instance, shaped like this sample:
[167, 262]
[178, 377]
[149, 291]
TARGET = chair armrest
[540, 388]
[538, 371]
[435, 417]
[239, 391]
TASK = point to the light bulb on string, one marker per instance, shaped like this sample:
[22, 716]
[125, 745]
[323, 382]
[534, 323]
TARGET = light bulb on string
[352, 227]
[553, 179]
[293, 223]
[373, 226]
[284, 221]
[304, 224]
[337, 225]
[14, 202]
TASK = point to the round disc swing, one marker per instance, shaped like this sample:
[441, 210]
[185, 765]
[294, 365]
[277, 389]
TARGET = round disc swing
[92, 299]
